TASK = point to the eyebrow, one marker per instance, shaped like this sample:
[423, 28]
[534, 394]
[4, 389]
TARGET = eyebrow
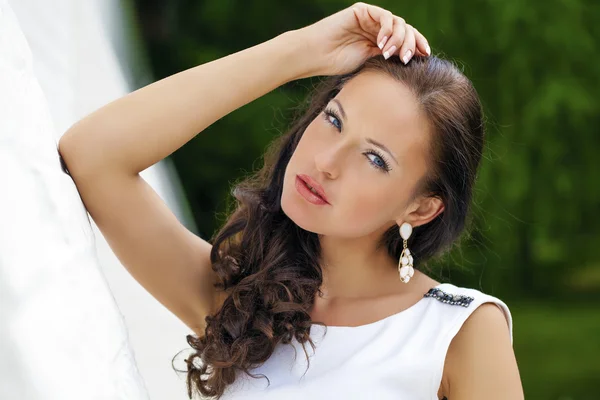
[369, 140]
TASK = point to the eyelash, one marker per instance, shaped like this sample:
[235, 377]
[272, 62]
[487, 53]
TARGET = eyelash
[329, 112]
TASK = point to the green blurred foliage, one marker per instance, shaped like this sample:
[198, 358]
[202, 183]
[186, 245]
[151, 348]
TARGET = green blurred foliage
[535, 66]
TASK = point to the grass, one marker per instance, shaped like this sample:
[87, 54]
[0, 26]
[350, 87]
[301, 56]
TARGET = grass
[558, 349]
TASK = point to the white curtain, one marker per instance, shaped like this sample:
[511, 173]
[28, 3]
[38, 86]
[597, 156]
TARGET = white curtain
[71, 317]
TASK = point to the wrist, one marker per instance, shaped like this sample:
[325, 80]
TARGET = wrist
[296, 48]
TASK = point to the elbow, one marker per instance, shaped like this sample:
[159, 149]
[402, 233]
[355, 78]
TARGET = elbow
[67, 155]
[63, 164]
[61, 150]
[72, 160]
[76, 154]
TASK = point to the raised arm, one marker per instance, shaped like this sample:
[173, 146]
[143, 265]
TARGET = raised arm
[105, 151]
[136, 131]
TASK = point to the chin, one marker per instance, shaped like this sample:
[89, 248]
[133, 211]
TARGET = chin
[293, 207]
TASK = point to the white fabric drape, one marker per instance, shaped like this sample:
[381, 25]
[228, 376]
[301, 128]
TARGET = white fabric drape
[62, 334]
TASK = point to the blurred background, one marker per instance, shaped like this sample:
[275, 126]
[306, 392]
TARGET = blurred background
[537, 228]
[536, 224]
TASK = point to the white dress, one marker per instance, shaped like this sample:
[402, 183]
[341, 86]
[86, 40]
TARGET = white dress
[400, 357]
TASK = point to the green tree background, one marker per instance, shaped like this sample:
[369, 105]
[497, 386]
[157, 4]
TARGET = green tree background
[535, 66]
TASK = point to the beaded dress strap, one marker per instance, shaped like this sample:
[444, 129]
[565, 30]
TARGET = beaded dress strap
[452, 299]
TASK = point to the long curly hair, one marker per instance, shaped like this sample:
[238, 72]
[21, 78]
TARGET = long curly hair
[268, 266]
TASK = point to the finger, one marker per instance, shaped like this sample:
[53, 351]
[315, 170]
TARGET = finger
[387, 28]
[419, 52]
[422, 44]
[395, 41]
[375, 21]
[408, 47]
[367, 25]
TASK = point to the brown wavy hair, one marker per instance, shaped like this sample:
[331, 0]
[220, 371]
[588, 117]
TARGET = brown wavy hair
[269, 266]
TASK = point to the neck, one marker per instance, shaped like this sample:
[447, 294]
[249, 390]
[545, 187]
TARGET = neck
[354, 268]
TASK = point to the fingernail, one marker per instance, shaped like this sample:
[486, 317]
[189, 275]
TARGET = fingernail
[391, 50]
[428, 50]
[406, 56]
[382, 43]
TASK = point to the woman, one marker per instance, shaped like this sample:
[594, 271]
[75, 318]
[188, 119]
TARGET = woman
[372, 180]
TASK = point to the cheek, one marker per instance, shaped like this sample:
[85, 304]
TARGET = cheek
[302, 159]
[366, 206]
[314, 138]
[307, 145]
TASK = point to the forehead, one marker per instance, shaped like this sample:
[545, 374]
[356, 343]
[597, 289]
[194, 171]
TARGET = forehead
[384, 109]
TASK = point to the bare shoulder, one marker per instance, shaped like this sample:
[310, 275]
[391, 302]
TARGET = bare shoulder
[480, 362]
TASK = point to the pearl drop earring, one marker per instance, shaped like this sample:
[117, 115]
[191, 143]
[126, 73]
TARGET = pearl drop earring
[405, 266]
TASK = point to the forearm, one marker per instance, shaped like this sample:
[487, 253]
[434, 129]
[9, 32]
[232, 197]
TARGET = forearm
[136, 131]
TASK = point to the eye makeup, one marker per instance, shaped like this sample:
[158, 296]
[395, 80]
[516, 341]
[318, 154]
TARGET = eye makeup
[383, 164]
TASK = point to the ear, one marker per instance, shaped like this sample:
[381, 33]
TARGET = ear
[424, 210]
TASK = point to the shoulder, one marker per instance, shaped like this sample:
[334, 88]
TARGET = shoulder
[480, 362]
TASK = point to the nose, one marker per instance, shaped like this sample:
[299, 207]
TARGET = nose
[328, 161]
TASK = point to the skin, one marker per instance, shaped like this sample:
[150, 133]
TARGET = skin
[361, 283]
[365, 200]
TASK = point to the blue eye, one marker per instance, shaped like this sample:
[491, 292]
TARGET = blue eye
[383, 165]
[331, 113]
[379, 157]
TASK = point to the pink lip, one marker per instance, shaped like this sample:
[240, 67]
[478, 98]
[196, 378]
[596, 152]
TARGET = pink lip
[315, 185]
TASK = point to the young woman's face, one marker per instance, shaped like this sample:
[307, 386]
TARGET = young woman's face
[367, 187]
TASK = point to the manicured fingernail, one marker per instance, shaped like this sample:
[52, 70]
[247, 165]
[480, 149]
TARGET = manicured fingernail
[428, 50]
[391, 50]
[406, 56]
[382, 43]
